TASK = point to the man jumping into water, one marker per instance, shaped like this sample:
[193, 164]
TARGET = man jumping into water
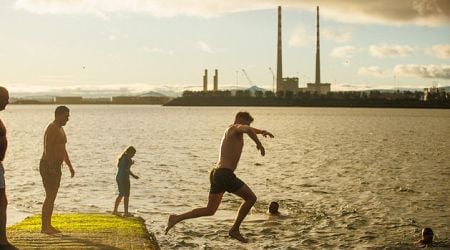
[222, 178]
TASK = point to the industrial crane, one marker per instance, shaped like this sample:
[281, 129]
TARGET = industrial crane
[248, 78]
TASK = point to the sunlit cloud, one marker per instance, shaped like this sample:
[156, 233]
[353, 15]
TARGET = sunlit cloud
[399, 12]
[441, 51]
[345, 52]
[203, 46]
[300, 38]
[423, 71]
[375, 71]
[390, 50]
[339, 37]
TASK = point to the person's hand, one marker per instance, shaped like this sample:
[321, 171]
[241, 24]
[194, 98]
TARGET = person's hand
[266, 133]
[72, 172]
[261, 149]
[132, 162]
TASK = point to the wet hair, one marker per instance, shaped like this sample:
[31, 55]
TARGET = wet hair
[273, 207]
[427, 235]
[129, 151]
[61, 110]
[244, 116]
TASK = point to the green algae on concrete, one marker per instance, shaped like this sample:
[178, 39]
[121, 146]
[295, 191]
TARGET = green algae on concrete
[83, 231]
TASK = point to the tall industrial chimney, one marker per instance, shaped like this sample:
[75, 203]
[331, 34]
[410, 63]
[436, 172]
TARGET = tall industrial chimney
[205, 81]
[318, 51]
[216, 80]
[279, 54]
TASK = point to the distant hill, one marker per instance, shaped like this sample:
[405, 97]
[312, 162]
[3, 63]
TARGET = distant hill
[153, 93]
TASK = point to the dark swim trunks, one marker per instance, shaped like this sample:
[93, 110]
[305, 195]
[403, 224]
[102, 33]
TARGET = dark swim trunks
[223, 179]
[51, 175]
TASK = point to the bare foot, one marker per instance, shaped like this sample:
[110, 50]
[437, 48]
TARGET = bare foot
[237, 235]
[127, 215]
[54, 229]
[50, 230]
[170, 223]
[115, 213]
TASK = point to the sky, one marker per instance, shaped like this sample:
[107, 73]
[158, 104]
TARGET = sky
[142, 45]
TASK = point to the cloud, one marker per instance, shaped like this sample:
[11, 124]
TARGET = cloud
[343, 52]
[203, 46]
[388, 12]
[372, 71]
[423, 71]
[441, 51]
[338, 37]
[299, 38]
[390, 50]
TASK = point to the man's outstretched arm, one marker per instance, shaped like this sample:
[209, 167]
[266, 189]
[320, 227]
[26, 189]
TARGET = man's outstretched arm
[264, 133]
[251, 132]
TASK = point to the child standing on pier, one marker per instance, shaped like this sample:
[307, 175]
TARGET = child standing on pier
[123, 179]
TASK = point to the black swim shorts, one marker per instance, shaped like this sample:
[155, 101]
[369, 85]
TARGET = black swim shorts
[223, 179]
[51, 175]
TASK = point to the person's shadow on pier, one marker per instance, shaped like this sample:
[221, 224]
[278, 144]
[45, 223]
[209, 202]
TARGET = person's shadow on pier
[83, 242]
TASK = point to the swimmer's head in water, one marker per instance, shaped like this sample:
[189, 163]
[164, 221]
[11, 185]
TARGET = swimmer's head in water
[273, 207]
[427, 235]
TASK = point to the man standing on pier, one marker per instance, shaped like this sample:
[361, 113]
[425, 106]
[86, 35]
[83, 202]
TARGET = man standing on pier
[4, 100]
[54, 155]
[222, 178]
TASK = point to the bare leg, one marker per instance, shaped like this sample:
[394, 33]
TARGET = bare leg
[116, 204]
[126, 200]
[3, 205]
[47, 211]
[249, 200]
[213, 203]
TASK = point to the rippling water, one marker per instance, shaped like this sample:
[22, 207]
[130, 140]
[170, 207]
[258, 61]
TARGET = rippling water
[344, 178]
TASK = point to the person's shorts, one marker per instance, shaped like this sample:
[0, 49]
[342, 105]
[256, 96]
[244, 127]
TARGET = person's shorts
[51, 175]
[2, 176]
[124, 186]
[223, 179]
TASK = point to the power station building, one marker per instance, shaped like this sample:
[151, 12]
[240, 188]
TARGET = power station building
[291, 83]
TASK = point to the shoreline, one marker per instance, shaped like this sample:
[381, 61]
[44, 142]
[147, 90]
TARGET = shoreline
[15, 216]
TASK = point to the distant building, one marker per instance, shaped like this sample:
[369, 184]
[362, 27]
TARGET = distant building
[434, 93]
[291, 83]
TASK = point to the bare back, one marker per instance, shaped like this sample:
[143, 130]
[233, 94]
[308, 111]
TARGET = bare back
[231, 148]
[3, 141]
[54, 144]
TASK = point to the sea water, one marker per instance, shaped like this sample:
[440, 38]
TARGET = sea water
[344, 177]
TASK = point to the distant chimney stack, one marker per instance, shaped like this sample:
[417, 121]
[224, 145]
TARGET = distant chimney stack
[279, 53]
[318, 51]
[216, 80]
[205, 81]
